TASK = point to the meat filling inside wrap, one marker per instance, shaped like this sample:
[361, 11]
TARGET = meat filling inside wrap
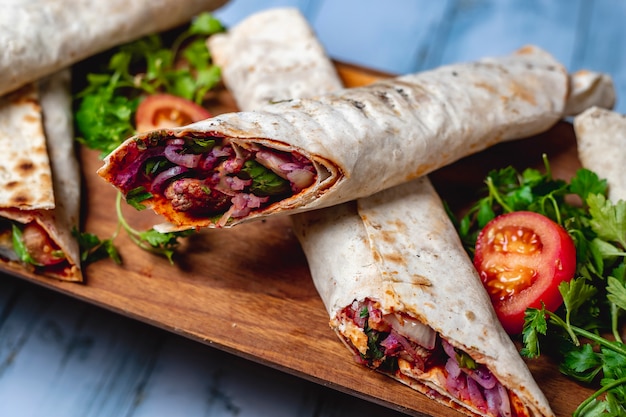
[397, 343]
[212, 176]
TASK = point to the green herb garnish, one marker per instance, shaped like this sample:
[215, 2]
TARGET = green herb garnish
[265, 181]
[587, 326]
[106, 106]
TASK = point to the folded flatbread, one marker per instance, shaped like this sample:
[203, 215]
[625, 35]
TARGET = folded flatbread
[39, 37]
[39, 180]
[310, 153]
[404, 297]
[601, 139]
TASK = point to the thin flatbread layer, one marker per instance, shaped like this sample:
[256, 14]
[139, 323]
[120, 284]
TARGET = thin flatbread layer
[25, 174]
[39, 37]
[272, 56]
[400, 248]
[601, 139]
[363, 140]
[55, 120]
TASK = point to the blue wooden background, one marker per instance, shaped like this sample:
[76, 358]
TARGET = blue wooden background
[62, 357]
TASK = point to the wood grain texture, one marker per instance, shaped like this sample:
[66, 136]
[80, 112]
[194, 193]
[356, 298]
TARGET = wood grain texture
[248, 291]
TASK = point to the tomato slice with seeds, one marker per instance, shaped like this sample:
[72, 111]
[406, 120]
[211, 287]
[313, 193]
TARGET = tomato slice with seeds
[165, 111]
[521, 258]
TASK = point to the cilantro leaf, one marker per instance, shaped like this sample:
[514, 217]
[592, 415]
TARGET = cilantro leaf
[608, 220]
[534, 325]
[93, 249]
[107, 105]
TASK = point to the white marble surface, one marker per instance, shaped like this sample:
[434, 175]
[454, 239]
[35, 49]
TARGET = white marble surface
[61, 357]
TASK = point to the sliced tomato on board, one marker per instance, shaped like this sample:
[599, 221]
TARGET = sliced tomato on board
[522, 257]
[166, 110]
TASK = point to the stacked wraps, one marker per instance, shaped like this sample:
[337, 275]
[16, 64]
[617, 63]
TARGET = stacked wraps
[391, 265]
[40, 180]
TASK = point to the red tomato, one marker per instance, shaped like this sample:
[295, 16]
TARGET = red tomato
[165, 110]
[42, 249]
[522, 257]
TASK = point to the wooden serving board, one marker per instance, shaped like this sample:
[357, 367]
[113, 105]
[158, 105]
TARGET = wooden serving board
[248, 291]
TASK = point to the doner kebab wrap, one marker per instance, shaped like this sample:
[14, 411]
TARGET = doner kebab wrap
[39, 37]
[601, 139]
[372, 262]
[308, 153]
[40, 180]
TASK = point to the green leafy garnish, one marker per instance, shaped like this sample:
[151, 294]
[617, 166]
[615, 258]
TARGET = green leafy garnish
[163, 244]
[136, 196]
[107, 105]
[93, 249]
[587, 326]
[265, 181]
[19, 247]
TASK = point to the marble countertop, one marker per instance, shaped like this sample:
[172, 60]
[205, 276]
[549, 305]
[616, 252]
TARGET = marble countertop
[63, 357]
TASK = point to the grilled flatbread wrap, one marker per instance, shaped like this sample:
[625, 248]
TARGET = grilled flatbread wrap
[342, 145]
[391, 266]
[601, 139]
[338, 146]
[40, 37]
[272, 56]
[40, 179]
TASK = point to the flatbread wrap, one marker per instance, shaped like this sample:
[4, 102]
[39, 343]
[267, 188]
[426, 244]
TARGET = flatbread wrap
[309, 153]
[272, 56]
[601, 140]
[40, 37]
[404, 297]
[40, 180]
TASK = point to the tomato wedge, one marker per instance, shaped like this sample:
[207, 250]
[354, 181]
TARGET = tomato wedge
[166, 110]
[522, 257]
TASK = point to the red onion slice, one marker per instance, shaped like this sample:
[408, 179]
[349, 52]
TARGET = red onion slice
[188, 160]
[159, 181]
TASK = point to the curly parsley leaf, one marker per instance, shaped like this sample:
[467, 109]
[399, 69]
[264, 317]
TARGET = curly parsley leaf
[163, 244]
[587, 327]
[107, 105]
[93, 249]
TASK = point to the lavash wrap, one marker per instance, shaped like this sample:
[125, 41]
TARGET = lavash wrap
[272, 56]
[39, 170]
[345, 267]
[400, 248]
[366, 139]
[601, 139]
[39, 37]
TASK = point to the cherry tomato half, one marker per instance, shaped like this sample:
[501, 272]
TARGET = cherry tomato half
[522, 257]
[165, 110]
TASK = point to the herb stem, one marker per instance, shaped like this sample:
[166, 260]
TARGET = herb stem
[596, 394]
[617, 347]
[494, 192]
[615, 322]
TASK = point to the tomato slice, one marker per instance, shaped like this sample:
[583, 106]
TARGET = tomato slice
[522, 257]
[43, 250]
[166, 110]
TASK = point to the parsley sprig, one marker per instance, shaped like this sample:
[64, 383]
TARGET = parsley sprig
[106, 106]
[163, 244]
[587, 327]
